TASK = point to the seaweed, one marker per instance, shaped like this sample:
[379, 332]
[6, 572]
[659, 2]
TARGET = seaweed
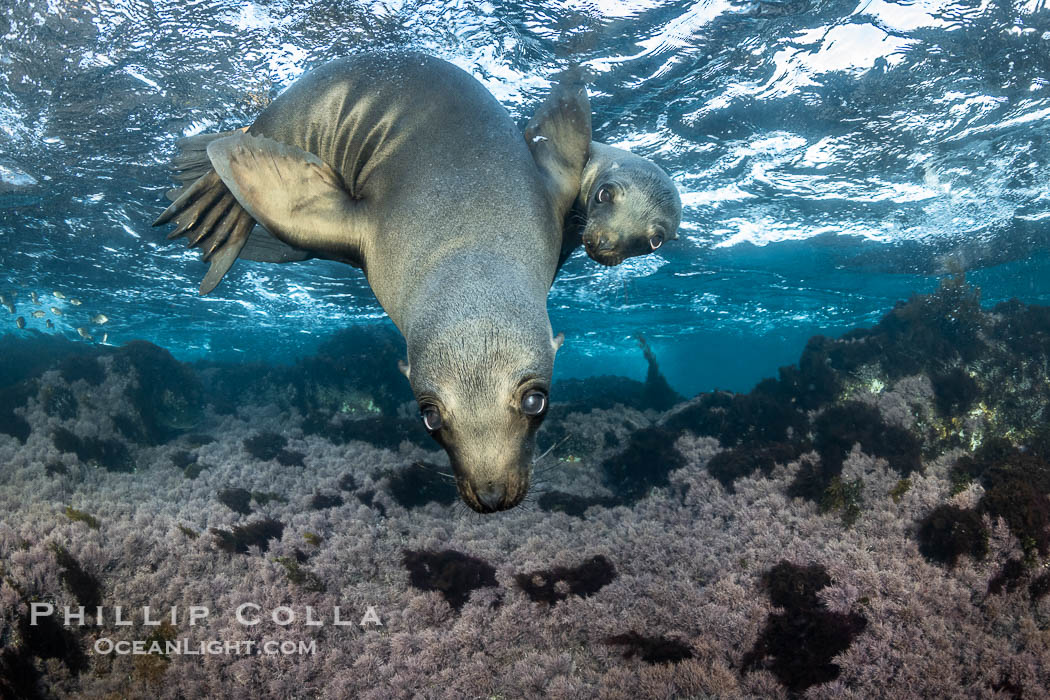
[646, 463]
[799, 644]
[56, 468]
[305, 579]
[290, 458]
[552, 585]
[258, 534]
[762, 416]
[189, 532]
[1039, 587]
[347, 482]
[82, 517]
[1008, 579]
[838, 429]
[454, 574]
[77, 367]
[949, 532]
[1016, 486]
[111, 455]
[571, 504]
[312, 539]
[237, 499]
[320, 501]
[653, 650]
[379, 431]
[729, 465]
[368, 497]
[845, 498]
[84, 586]
[58, 402]
[899, 489]
[264, 497]
[11, 398]
[422, 484]
[265, 446]
[182, 459]
[955, 391]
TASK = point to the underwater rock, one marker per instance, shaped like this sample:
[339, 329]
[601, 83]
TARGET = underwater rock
[607, 391]
[798, 644]
[454, 574]
[949, 532]
[653, 650]
[58, 402]
[550, 586]
[167, 395]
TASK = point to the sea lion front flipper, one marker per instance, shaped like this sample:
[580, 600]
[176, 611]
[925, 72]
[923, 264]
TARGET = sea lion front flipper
[559, 136]
[293, 193]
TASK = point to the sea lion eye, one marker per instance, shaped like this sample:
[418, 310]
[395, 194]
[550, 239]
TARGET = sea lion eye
[656, 240]
[534, 403]
[431, 417]
[604, 195]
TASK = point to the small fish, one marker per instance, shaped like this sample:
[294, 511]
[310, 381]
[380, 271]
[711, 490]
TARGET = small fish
[39, 314]
[100, 319]
[105, 338]
[49, 324]
[84, 333]
[20, 322]
[75, 302]
[58, 294]
[10, 307]
[56, 311]
[3, 299]
[34, 297]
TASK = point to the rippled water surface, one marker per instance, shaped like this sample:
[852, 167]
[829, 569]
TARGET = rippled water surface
[833, 157]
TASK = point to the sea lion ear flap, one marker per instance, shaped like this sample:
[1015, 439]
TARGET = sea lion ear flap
[293, 193]
[404, 367]
[557, 341]
[559, 136]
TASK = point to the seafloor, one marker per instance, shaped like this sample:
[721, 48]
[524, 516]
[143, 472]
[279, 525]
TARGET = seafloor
[872, 523]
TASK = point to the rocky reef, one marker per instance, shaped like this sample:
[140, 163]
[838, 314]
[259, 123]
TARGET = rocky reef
[873, 521]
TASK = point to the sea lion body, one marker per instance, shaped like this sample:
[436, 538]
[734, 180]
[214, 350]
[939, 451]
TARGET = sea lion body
[626, 206]
[406, 166]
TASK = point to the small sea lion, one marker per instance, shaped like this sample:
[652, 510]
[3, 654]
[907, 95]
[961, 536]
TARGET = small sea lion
[626, 206]
[407, 167]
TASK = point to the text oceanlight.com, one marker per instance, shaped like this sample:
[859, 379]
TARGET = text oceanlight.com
[184, 647]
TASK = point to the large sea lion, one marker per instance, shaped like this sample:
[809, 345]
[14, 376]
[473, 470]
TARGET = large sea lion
[626, 206]
[407, 167]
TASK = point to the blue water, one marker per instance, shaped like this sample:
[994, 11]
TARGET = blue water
[833, 157]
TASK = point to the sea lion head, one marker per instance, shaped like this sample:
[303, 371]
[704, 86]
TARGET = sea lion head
[483, 388]
[632, 206]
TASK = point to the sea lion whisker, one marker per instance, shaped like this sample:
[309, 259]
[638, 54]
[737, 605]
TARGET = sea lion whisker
[550, 449]
[451, 477]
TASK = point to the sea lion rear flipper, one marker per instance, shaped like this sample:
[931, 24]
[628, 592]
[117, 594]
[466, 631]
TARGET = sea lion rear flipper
[559, 136]
[293, 193]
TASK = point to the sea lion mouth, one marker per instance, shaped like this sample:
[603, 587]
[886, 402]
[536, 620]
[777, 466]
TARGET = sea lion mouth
[493, 499]
[609, 258]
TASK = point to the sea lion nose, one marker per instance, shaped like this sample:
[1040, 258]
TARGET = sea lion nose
[491, 496]
[604, 243]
